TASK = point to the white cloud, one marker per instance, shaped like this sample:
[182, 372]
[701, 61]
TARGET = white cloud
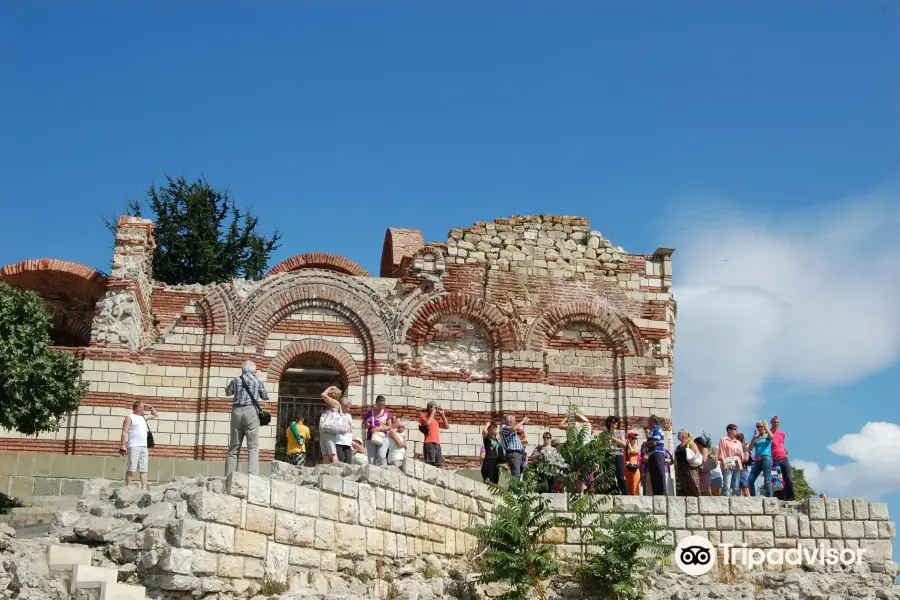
[874, 469]
[809, 299]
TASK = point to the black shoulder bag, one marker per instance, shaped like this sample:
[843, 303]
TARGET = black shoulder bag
[264, 417]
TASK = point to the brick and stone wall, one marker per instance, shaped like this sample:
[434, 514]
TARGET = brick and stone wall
[526, 315]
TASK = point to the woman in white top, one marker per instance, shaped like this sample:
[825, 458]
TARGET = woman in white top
[581, 421]
[397, 443]
[344, 442]
[328, 440]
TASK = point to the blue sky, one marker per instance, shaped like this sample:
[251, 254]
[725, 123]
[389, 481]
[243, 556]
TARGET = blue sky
[763, 142]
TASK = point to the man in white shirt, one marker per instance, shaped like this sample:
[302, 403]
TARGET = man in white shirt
[134, 442]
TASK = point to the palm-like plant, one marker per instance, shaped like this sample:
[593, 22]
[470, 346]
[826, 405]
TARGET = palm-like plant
[514, 552]
[591, 465]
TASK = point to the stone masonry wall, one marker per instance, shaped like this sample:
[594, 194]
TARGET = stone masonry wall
[484, 332]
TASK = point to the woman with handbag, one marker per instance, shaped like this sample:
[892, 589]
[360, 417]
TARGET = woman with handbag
[331, 424]
[378, 422]
[687, 465]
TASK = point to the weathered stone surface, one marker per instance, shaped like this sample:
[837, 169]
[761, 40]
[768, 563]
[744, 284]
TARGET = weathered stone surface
[258, 490]
[237, 484]
[277, 558]
[249, 543]
[186, 533]
[219, 538]
[351, 540]
[260, 519]
[284, 495]
[324, 534]
[878, 511]
[307, 502]
[209, 506]
[294, 530]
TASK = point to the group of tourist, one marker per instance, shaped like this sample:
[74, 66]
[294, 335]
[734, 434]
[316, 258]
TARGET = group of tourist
[732, 467]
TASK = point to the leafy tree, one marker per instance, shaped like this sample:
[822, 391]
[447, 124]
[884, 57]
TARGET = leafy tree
[802, 490]
[591, 466]
[514, 549]
[38, 385]
[201, 235]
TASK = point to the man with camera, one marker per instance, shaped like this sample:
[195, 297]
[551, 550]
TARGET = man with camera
[247, 390]
[430, 424]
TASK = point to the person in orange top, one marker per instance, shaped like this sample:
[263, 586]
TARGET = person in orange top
[430, 423]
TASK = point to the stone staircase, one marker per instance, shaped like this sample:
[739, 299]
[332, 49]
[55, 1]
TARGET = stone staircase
[38, 510]
[73, 564]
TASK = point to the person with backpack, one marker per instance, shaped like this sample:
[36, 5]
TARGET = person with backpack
[431, 422]
[247, 391]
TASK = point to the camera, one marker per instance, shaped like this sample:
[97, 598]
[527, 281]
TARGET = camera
[695, 555]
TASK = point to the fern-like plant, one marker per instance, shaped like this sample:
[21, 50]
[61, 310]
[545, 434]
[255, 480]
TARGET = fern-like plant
[514, 551]
[592, 466]
[620, 554]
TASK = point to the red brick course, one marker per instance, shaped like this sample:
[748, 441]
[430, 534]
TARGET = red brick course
[319, 260]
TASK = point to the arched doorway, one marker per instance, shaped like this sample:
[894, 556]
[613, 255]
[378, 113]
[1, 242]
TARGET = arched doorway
[300, 395]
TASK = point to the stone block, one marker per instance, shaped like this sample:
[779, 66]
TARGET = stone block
[283, 495]
[715, 505]
[763, 522]
[348, 510]
[324, 535]
[887, 530]
[725, 523]
[230, 565]
[792, 526]
[332, 483]
[771, 506]
[853, 530]
[307, 502]
[305, 557]
[743, 522]
[351, 540]
[374, 542]
[634, 504]
[832, 510]
[176, 560]
[204, 563]
[870, 529]
[350, 489]
[61, 557]
[759, 539]
[779, 526]
[676, 516]
[694, 522]
[877, 549]
[691, 506]
[121, 591]
[260, 519]
[390, 544]
[558, 502]
[659, 504]
[746, 506]
[294, 530]
[219, 538]
[329, 562]
[236, 484]
[817, 529]
[186, 533]
[367, 504]
[833, 529]
[878, 511]
[248, 543]
[815, 508]
[177, 583]
[860, 509]
[254, 568]
[209, 506]
[709, 521]
[803, 522]
[259, 490]
[85, 577]
[328, 506]
[845, 506]
[277, 559]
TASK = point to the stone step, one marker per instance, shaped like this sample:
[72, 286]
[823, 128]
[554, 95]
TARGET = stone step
[121, 591]
[49, 500]
[62, 557]
[19, 521]
[41, 510]
[88, 577]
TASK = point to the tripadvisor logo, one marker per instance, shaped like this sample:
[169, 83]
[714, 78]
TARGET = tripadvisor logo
[696, 555]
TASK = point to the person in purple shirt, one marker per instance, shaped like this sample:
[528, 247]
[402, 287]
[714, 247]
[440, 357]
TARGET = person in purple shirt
[377, 421]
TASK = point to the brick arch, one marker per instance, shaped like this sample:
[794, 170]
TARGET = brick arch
[319, 260]
[426, 314]
[218, 309]
[624, 335]
[367, 312]
[49, 276]
[78, 330]
[329, 353]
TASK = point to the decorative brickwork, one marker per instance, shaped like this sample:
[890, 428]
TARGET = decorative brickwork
[319, 260]
[526, 316]
[324, 352]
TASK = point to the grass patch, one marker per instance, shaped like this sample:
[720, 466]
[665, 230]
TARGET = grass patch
[272, 588]
[7, 503]
[429, 572]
